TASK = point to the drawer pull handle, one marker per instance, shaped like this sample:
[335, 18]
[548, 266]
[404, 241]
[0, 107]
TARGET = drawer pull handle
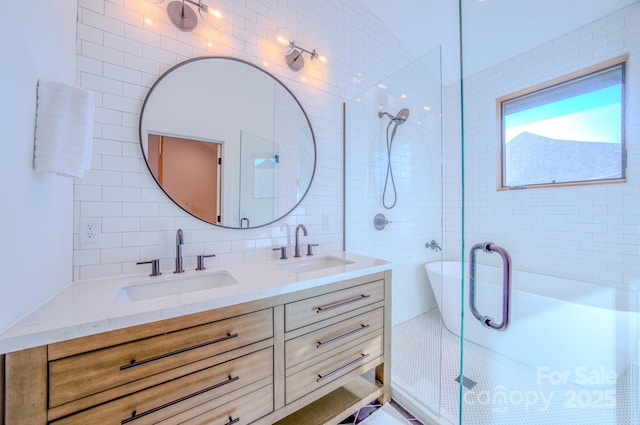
[341, 303]
[232, 421]
[329, 341]
[135, 415]
[135, 363]
[341, 368]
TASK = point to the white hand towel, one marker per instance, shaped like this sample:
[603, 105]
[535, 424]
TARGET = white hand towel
[64, 129]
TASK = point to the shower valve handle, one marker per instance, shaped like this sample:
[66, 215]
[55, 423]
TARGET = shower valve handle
[380, 221]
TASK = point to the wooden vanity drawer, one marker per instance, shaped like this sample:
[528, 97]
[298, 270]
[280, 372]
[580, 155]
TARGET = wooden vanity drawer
[313, 376]
[305, 312]
[163, 401]
[240, 411]
[84, 374]
[312, 344]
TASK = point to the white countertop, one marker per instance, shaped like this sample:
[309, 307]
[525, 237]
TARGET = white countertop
[95, 306]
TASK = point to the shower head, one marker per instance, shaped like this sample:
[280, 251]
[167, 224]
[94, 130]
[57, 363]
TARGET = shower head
[399, 118]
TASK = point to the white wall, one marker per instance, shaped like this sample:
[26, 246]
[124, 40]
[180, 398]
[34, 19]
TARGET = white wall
[37, 209]
[591, 232]
[124, 45]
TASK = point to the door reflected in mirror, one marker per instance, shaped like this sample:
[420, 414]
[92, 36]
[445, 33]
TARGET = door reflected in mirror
[190, 170]
[227, 142]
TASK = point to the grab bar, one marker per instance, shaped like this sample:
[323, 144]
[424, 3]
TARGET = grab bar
[488, 321]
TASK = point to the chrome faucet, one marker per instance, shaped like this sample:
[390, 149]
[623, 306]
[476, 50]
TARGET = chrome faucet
[179, 243]
[433, 245]
[297, 247]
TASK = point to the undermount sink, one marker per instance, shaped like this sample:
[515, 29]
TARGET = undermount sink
[174, 285]
[313, 264]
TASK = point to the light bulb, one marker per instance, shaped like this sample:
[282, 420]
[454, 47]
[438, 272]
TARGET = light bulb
[282, 40]
[323, 59]
[212, 15]
[317, 59]
[215, 12]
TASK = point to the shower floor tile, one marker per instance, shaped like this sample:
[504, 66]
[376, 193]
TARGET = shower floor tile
[507, 392]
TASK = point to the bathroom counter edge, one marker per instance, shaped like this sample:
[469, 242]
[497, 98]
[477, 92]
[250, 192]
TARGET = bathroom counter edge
[90, 307]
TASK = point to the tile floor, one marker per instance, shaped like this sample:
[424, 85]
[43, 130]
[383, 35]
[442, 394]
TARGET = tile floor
[507, 391]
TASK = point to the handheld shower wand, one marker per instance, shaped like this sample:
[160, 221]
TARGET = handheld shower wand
[399, 119]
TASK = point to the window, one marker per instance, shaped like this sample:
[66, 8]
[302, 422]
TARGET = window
[568, 131]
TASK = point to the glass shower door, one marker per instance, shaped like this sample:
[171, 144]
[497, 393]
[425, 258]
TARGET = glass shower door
[549, 270]
[393, 211]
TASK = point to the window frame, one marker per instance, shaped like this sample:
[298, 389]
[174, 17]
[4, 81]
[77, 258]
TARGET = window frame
[622, 61]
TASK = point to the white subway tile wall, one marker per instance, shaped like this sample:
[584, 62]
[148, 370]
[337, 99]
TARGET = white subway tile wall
[589, 233]
[123, 46]
[416, 158]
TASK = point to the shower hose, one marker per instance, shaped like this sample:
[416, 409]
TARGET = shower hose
[389, 176]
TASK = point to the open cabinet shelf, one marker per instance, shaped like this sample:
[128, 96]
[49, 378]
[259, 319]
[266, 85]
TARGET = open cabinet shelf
[337, 405]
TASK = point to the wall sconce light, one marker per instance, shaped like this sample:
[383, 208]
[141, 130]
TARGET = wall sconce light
[294, 58]
[185, 19]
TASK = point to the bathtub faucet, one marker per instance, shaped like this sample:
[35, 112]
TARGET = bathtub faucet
[433, 245]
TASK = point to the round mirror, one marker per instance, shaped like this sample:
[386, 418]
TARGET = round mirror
[227, 142]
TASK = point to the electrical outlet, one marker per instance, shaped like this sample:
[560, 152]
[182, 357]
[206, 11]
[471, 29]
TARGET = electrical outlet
[90, 231]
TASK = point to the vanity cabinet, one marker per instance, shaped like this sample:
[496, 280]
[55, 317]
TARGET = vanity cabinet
[310, 356]
[150, 378]
[96, 376]
[330, 335]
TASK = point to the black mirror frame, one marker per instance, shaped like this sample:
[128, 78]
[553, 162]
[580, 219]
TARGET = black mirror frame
[313, 137]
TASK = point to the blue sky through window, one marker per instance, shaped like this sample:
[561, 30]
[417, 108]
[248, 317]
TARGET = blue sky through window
[590, 117]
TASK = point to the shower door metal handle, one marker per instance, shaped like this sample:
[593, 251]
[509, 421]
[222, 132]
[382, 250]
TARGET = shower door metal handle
[488, 321]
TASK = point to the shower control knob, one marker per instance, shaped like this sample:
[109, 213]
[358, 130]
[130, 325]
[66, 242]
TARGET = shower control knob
[380, 221]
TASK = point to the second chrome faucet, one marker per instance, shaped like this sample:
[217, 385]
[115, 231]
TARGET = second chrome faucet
[297, 247]
[155, 264]
[283, 249]
[179, 243]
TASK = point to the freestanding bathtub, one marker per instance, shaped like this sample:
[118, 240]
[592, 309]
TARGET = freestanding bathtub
[562, 328]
